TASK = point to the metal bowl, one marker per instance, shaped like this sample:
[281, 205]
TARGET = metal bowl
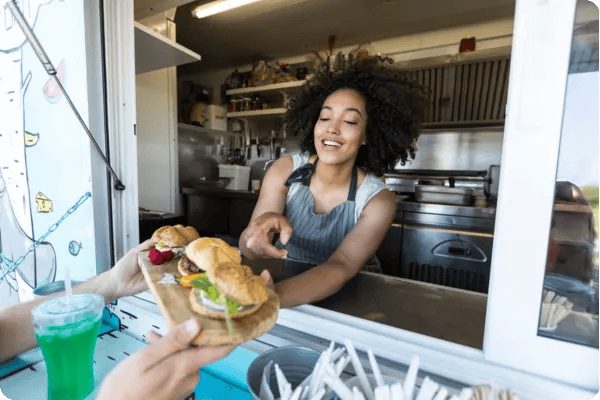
[296, 363]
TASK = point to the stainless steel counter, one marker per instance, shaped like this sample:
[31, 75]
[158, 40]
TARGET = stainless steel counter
[437, 311]
[405, 204]
[216, 192]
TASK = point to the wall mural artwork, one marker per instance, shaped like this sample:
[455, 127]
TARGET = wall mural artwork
[44, 158]
[16, 226]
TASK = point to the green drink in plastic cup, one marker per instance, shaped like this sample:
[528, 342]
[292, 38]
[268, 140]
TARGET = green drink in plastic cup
[67, 332]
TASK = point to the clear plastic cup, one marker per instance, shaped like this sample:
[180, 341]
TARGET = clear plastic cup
[67, 333]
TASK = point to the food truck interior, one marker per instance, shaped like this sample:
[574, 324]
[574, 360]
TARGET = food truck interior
[229, 122]
[230, 125]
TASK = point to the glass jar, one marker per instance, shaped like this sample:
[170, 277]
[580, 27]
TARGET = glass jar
[256, 102]
[246, 104]
[234, 105]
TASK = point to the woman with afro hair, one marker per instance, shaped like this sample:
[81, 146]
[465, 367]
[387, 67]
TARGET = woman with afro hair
[329, 203]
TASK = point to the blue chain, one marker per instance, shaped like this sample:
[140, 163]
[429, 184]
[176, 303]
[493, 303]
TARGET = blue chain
[12, 265]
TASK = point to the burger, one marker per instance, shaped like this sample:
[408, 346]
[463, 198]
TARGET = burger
[174, 238]
[205, 253]
[226, 289]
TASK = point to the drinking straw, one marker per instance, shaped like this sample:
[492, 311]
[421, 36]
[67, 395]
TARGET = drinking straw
[281, 381]
[382, 393]
[296, 393]
[428, 389]
[341, 365]
[442, 394]
[357, 394]
[68, 289]
[337, 353]
[411, 377]
[360, 372]
[397, 393]
[319, 394]
[338, 387]
[375, 368]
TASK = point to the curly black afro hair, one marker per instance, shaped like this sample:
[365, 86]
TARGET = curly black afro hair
[395, 109]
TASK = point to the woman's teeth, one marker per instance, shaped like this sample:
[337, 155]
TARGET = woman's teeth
[331, 143]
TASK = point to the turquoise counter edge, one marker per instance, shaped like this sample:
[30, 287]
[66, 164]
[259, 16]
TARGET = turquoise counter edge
[226, 378]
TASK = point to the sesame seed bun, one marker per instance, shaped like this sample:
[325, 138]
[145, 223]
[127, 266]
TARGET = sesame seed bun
[175, 236]
[238, 283]
[206, 253]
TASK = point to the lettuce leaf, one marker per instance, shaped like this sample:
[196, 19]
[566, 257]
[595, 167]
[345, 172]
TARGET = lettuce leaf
[210, 290]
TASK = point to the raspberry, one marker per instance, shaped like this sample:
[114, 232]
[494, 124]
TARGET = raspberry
[167, 255]
[156, 256]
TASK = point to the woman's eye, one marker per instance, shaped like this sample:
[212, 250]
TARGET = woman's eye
[323, 119]
[351, 122]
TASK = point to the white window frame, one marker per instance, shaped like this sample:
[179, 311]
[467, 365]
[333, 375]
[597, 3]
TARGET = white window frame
[538, 77]
[121, 111]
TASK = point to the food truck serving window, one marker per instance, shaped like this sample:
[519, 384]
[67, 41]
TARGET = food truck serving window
[513, 341]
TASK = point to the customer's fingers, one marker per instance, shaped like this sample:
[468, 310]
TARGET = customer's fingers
[188, 362]
[194, 358]
[145, 245]
[180, 338]
[152, 337]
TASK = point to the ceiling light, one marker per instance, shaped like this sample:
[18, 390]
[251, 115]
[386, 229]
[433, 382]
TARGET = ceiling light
[218, 6]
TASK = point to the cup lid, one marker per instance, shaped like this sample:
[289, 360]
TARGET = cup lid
[62, 311]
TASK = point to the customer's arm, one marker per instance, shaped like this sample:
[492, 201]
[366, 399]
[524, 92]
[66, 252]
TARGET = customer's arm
[124, 279]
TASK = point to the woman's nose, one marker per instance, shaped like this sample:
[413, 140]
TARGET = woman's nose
[333, 127]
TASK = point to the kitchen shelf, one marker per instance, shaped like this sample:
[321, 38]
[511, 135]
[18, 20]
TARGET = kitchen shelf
[201, 129]
[154, 51]
[266, 88]
[270, 112]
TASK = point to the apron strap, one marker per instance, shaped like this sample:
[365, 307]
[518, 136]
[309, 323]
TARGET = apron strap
[353, 183]
[302, 174]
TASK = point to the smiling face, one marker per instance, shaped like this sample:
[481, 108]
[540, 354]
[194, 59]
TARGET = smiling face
[341, 127]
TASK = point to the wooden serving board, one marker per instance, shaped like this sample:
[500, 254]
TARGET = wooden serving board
[174, 303]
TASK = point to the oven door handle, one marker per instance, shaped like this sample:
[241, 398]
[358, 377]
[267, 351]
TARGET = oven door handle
[448, 230]
[453, 245]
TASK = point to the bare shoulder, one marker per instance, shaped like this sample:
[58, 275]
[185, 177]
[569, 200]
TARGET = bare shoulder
[280, 169]
[382, 204]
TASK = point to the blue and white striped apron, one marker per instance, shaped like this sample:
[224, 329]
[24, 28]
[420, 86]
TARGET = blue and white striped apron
[315, 237]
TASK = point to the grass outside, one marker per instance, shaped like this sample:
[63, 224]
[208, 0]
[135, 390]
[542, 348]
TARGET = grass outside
[591, 192]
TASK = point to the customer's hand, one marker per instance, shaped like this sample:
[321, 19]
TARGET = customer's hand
[126, 275]
[166, 369]
[255, 241]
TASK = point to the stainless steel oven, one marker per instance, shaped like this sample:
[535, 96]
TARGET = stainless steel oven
[444, 227]
[448, 250]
